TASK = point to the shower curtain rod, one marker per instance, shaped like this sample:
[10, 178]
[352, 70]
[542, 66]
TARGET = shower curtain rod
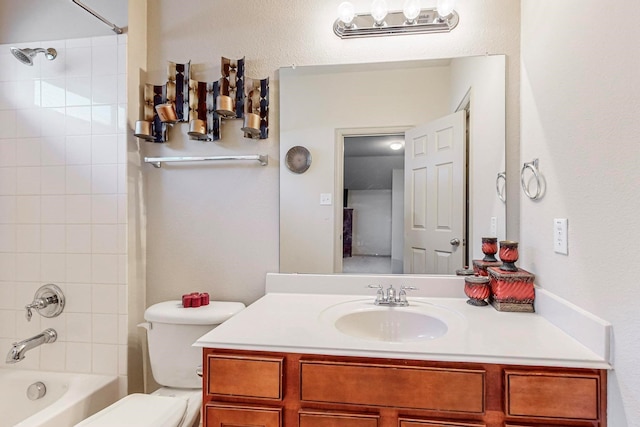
[114, 27]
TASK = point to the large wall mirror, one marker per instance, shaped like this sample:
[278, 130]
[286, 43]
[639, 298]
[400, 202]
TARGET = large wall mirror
[348, 116]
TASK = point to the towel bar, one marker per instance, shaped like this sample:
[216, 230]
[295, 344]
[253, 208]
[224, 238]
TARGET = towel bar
[157, 161]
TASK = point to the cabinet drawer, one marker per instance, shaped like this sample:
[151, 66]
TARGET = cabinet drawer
[552, 395]
[244, 376]
[335, 419]
[224, 415]
[409, 387]
[406, 422]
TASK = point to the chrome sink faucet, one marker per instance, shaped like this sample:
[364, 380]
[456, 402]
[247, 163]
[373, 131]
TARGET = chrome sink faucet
[18, 349]
[391, 297]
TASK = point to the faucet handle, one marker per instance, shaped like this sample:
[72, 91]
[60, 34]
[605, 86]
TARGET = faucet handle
[379, 294]
[408, 288]
[402, 295]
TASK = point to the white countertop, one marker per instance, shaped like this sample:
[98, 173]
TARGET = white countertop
[298, 323]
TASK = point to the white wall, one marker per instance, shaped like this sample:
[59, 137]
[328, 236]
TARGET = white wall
[580, 104]
[63, 210]
[371, 222]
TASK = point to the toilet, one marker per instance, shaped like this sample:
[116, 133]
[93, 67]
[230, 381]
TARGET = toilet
[171, 331]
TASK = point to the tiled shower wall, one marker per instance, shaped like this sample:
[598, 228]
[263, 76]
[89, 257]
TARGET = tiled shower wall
[63, 202]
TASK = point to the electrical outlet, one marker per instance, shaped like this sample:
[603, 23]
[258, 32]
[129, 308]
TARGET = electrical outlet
[325, 198]
[493, 227]
[561, 235]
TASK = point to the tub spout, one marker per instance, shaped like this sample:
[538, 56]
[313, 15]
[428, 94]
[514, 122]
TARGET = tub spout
[19, 349]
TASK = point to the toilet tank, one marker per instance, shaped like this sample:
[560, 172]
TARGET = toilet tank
[171, 331]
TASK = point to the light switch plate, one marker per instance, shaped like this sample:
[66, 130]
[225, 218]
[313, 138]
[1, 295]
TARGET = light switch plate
[493, 227]
[561, 235]
[325, 198]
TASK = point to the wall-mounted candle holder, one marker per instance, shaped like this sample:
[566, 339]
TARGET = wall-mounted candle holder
[205, 104]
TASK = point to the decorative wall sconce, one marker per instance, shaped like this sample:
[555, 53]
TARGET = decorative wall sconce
[380, 22]
[204, 105]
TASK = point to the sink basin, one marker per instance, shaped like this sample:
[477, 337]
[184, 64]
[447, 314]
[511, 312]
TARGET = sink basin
[420, 321]
[390, 324]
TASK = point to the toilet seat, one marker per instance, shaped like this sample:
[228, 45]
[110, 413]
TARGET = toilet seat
[140, 410]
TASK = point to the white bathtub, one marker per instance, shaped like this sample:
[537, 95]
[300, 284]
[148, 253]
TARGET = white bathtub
[69, 399]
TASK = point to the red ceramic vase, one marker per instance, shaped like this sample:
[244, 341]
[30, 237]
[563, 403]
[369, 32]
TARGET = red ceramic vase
[508, 255]
[489, 248]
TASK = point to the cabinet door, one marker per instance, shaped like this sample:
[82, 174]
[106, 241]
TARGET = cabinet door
[224, 415]
[334, 419]
[405, 422]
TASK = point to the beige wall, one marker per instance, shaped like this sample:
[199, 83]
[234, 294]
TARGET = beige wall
[215, 227]
[580, 104]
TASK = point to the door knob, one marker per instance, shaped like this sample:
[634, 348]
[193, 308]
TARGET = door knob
[455, 242]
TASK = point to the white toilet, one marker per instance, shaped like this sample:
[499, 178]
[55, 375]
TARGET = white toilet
[171, 331]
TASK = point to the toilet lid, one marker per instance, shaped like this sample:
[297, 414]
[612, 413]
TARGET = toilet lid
[139, 410]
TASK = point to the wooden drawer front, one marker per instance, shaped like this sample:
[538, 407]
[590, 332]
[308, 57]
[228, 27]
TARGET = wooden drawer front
[405, 422]
[549, 395]
[222, 415]
[460, 390]
[334, 419]
[256, 377]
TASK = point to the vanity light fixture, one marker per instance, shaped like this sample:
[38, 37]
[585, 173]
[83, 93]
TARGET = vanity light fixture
[411, 20]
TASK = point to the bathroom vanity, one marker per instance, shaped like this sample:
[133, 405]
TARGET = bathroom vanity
[303, 359]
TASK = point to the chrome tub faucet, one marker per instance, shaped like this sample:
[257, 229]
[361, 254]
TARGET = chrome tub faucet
[391, 297]
[19, 349]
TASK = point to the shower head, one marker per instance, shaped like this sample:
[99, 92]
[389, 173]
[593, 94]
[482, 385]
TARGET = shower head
[26, 55]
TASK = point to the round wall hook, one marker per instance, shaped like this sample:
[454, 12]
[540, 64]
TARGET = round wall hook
[533, 167]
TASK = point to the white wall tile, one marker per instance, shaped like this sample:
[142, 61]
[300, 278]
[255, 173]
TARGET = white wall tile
[57, 67]
[122, 208]
[53, 238]
[53, 151]
[7, 293]
[26, 94]
[78, 91]
[54, 268]
[122, 179]
[104, 299]
[8, 177]
[105, 359]
[122, 360]
[53, 356]
[78, 179]
[53, 180]
[78, 209]
[104, 149]
[7, 324]
[79, 298]
[7, 124]
[28, 268]
[104, 209]
[79, 326]
[104, 119]
[28, 209]
[104, 60]
[29, 123]
[8, 209]
[105, 328]
[7, 267]
[7, 152]
[27, 180]
[104, 268]
[53, 92]
[7, 237]
[53, 209]
[121, 98]
[78, 150]
[123, 329]
[122, 238]
[104, 179]
[8, 98]
[122, 118]
[78, 268]
[28, 238]
[53, 121]
[78, 61]
[104, 239]
[78, 239]
[78, 357]
[104, 89]
[75, 43]
[122, 59]
[28, 152]
[123, 299]
[78, 121]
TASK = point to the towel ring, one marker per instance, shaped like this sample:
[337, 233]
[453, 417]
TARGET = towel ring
[500, 191]
[533, 167]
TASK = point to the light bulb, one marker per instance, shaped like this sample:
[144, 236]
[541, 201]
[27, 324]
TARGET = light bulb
[379, 11]
[396, 146]
[346, 13]
[411, 10]
[445, 7]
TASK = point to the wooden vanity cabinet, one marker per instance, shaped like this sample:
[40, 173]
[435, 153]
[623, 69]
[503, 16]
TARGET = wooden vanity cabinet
[265, 389]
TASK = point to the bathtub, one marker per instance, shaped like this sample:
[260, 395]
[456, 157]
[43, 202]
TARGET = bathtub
[69, 397]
